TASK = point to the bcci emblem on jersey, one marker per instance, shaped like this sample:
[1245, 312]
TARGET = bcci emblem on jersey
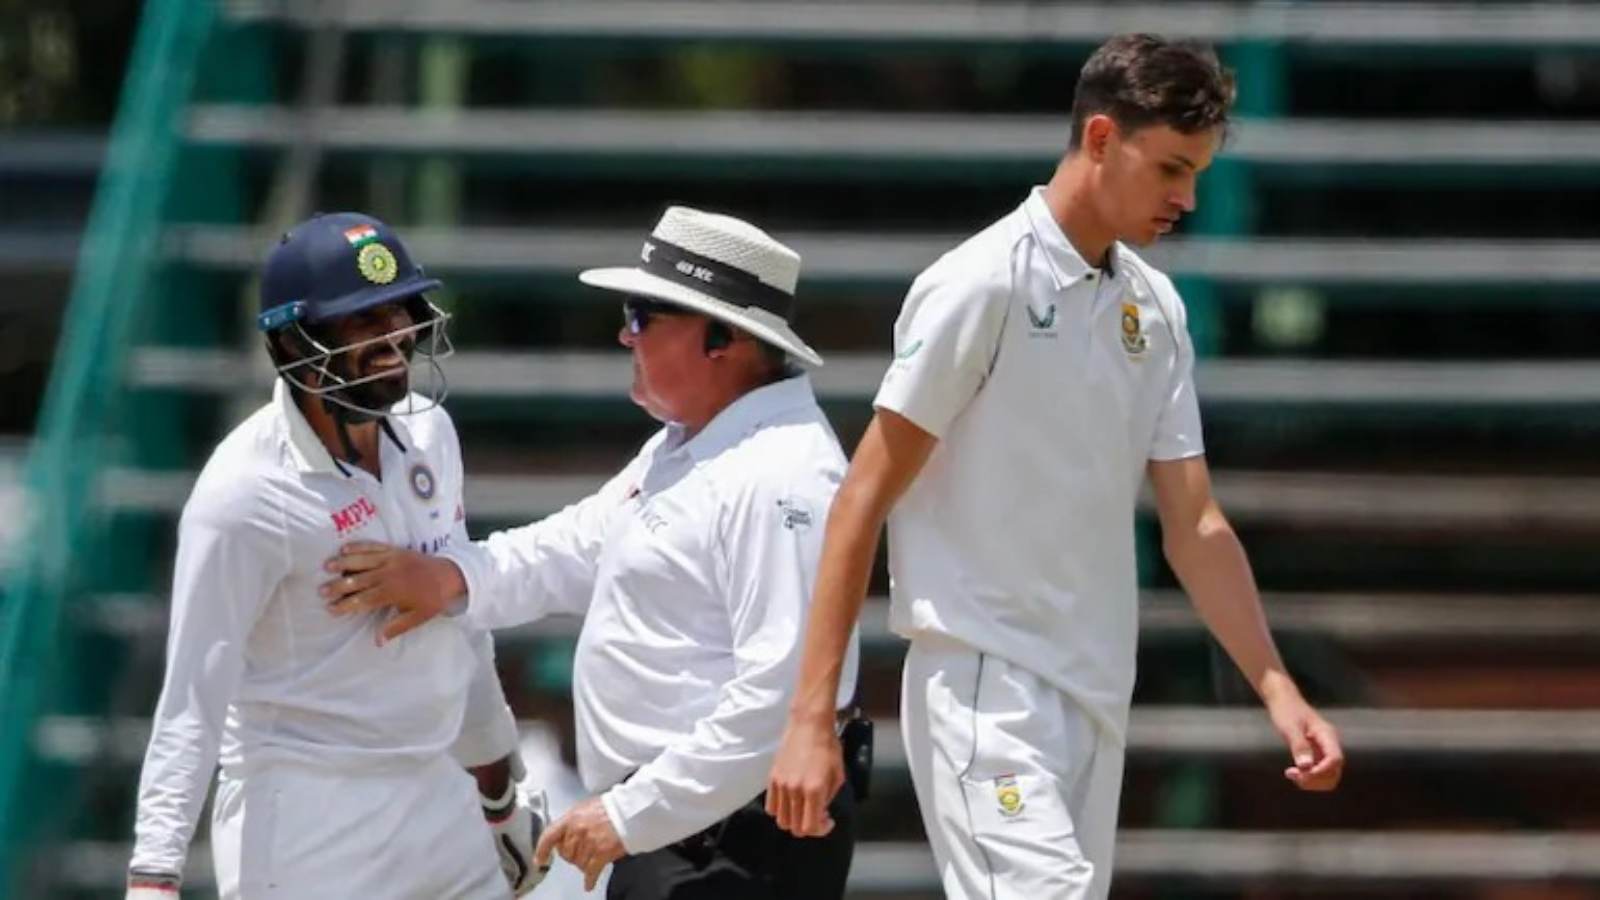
[1134, 343]
[422, 481]
[1009, 795]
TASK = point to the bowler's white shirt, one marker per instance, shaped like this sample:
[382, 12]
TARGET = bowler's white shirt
[256, 662]
[693, 568]
[1050, 386]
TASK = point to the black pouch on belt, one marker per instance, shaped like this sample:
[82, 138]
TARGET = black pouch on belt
[855, 736]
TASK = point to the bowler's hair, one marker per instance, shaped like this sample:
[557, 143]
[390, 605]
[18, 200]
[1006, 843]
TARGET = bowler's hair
[1141, 80]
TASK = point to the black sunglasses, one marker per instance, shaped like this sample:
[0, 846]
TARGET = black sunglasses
[637, 312]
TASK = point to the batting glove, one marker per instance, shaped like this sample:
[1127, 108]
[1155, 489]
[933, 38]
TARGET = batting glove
[517, 819]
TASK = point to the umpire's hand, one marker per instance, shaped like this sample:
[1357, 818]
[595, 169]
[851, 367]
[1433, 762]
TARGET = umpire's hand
[372, 576]
[584, 837]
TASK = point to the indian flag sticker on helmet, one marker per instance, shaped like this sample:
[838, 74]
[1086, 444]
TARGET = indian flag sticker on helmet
[360, 235]
[376, 263]
[422, 481]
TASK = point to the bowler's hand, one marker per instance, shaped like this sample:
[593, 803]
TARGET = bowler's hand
[584, 837]
[1313, 743]
[372, 576]
[807, 772]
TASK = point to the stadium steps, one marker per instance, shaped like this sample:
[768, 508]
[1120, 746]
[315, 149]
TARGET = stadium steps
[47, 178]
[1375, 620]
[851, 376]
[1213, 859]
[848, 138]
[876, 257]
[1162, 731]
[1453, 504]
[1523, 26]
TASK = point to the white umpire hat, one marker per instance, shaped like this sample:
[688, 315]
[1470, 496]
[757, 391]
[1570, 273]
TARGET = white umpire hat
[723, 267]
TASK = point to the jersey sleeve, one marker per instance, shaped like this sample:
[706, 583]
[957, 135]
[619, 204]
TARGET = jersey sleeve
[488, 728]
[232, 553]
[945, 341]
[523, 574]
[1177, 433]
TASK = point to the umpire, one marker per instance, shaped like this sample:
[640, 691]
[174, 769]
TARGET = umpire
[693, 568]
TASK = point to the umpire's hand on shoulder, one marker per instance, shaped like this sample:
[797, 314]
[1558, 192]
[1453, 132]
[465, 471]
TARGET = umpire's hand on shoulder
[369, 576]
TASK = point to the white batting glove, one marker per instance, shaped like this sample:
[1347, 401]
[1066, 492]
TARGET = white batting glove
[144, 885]
[517, 819]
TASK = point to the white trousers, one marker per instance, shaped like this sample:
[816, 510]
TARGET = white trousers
[1018, 786]
[290, 831]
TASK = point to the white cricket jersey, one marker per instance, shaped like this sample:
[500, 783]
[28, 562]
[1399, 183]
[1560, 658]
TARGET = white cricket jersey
[1050, 385]
[257, 664]
[694, 568]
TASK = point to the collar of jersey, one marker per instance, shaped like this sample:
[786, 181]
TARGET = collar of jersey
[306, 448]
[1067, 267]
[748, 412]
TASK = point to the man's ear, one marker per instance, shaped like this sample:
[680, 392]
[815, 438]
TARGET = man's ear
[1098, 131]
[718, 338]
[285, 346]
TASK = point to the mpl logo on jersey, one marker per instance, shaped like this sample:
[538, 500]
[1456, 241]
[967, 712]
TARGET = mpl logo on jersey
[353, 516]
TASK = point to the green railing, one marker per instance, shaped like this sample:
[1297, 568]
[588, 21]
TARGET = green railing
[75, 440]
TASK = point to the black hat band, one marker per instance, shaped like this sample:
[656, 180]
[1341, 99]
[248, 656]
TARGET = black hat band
[709, 276]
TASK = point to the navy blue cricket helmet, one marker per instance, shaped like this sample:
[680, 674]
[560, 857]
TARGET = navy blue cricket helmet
[333, 265]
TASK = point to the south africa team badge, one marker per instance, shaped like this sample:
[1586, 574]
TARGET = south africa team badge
[422, 481]
[1134, 343]
[376, 263]
[1009, 795]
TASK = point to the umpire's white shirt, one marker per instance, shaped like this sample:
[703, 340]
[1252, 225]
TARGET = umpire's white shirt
[694, 567]
[256, 662]
[1050, 385]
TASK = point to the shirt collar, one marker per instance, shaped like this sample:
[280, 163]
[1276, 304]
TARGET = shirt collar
[1067, 267]
[749, 411]
[307, 449]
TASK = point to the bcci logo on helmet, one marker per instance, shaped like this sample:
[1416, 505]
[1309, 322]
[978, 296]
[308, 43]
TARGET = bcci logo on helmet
[376, 263]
